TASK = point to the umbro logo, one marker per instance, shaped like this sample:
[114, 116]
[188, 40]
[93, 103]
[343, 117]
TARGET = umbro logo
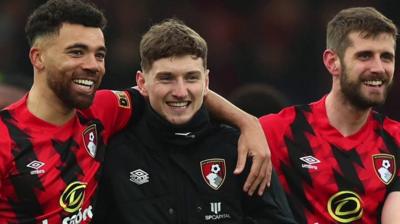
[35, 165]
[310, 162]
[139, 177]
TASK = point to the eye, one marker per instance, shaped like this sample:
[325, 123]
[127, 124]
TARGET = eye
[100, 56]
[388, 57]
[192, 77]
[165, 78]
[364, 56]
[75, 53]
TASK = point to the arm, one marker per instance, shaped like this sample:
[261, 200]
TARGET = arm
[252, 141]
[391, 208]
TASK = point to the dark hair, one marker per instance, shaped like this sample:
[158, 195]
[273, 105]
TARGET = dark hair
[171, 38]
[258, 99]
[49, 17]
[366, 20]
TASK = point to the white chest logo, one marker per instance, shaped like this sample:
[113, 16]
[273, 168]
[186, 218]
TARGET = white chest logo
[213, 172]
[139, 177]
[90, 140]
[385, 167]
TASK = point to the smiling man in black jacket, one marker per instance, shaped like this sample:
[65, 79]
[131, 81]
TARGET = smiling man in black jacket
[176, 165]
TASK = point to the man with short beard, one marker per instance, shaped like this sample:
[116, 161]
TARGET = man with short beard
[337, 158]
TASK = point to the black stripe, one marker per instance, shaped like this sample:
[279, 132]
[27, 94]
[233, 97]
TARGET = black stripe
[348, 178]
[69, 168]
[297, 148]
[27, 205]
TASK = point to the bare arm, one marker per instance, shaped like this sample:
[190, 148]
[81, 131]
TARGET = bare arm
[391, 208]
[252, 142]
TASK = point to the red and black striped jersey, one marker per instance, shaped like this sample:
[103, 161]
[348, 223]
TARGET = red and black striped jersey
[49, 173]
[330, 178]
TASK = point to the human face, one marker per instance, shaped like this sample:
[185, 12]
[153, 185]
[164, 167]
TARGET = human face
[73, 62]
[367, 70]
[175, 87]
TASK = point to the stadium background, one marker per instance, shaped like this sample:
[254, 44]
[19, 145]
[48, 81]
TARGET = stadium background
[274, 42]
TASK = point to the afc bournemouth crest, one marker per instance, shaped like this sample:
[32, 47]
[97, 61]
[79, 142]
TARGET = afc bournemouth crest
[213, 171]
[123, 99]
[90, 140]
[385, 167]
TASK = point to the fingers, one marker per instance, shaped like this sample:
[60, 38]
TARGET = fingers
[266, 182]
[253, 179]
[241, 161]
[259, 181]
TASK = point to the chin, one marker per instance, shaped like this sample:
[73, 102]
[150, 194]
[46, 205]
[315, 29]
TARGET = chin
[84, 104]
[179, 121]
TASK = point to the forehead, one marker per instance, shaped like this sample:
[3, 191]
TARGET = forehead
[383, 42]
[178, 64]
[74, 33]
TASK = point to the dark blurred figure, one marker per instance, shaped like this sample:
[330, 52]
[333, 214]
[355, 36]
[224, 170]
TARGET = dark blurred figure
[258, 99]
[12, 88]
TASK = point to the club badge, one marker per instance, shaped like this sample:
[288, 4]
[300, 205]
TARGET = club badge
[213, 171]
[385, 167]
[90, 140]
[123, 99]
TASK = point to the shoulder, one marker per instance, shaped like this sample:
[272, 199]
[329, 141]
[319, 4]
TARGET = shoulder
[388, 124]
[220, 140]
[278, 121]
[113, 97]
[5, 146]
[228, 131]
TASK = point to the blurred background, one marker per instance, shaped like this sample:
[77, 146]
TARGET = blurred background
[263, 55]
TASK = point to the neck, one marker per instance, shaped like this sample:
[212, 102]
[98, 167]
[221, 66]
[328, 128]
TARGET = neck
[344, 116]
[44, 104]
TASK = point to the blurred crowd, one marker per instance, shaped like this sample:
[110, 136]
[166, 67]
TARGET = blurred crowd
[276, 44]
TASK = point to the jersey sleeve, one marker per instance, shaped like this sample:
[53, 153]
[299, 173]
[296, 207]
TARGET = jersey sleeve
[274, 127]
[5, 145]
[392, 126]
[112, 108]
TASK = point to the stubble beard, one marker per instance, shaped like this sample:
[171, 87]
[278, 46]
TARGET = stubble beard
[353, 93]
[62, 90]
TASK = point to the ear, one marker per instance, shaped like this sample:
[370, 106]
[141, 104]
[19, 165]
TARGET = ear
[140, 81]
[206, 89]
[36, 57]
[331, 62]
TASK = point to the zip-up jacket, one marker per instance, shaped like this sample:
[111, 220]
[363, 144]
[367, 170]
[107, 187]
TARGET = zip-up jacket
[155, 172]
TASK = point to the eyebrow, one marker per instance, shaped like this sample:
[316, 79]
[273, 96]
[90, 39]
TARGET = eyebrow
[84, 46]
[170, 73]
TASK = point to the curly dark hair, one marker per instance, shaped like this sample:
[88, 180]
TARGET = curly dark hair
[48, 18]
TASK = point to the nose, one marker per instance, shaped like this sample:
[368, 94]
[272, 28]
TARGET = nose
[180, 89]
[91, 63]
[377, 65]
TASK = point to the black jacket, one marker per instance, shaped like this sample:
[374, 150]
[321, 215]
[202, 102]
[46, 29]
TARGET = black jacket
[158, 173]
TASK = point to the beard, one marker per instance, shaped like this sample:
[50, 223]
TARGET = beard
[352, 90]
[62, 89]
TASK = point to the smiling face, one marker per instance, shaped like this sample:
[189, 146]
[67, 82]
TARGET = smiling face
[73, 63]
[175, 87]
[367, 69]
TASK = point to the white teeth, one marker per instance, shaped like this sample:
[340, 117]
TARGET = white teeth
[373, 82]
[84, 82]
[178, 104]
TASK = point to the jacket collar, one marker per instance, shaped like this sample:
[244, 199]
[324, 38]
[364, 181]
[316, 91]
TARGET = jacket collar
[179, 135]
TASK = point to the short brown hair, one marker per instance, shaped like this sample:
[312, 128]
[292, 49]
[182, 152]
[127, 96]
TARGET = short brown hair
[366, 20]
[171, 38]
